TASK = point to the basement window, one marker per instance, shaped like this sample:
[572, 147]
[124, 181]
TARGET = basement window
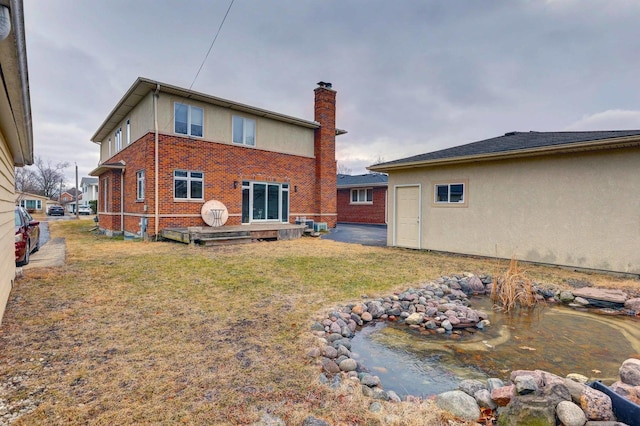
[449, 193]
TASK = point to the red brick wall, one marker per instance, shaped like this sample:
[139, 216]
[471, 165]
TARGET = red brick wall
[222, 164]
[362, 213]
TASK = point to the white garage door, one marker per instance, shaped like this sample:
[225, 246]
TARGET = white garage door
[407, 216]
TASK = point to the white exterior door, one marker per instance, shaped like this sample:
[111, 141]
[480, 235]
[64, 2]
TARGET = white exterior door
[407, 216]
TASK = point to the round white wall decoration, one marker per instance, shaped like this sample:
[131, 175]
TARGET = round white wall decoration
[214, 213]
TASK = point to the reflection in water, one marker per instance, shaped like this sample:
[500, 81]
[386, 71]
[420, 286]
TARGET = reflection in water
[555, 339]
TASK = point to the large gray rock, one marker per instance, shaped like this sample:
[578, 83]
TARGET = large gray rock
[471, 386]
[459, 404]
[633, 304]
[596, 405]
[525, 384]
[570, 414]
[630, 372]
[602, 294]
[528, 410]
[483, 398]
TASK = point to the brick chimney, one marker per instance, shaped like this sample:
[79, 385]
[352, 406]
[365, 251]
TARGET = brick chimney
[325, 152]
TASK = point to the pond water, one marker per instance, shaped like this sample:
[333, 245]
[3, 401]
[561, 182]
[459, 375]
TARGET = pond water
[557, 339]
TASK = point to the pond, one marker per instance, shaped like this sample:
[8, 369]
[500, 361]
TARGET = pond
[556, 339]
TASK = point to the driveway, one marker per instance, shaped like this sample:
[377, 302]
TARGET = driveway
[367, 235]
[52, 251]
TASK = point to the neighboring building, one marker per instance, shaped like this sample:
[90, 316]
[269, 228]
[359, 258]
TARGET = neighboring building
[262, 165]
[16, 135]
[563, 198]
[362, 198]
[89, 188]
[32, 202]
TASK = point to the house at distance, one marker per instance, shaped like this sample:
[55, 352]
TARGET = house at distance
[165, 151]
[89, 188]
[32, 202]
[563, 198]
[16, 135]
[362, 198]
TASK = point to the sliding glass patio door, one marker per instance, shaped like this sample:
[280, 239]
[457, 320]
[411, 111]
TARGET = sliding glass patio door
[265, 202]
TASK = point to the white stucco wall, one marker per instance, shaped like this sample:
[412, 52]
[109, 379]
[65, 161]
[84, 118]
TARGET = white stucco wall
[580, 210]
[271, 135]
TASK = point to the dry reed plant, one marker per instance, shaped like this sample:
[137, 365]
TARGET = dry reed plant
[513, 289]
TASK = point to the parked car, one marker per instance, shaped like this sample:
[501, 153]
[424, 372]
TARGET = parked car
[55, 211]
[84, 210]
[27, 236]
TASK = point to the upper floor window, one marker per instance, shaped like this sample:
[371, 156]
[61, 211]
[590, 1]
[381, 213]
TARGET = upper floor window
[449, 193]
[188, 185]
[128, 132]
[140, 185]
[117, 137]
[244, 130]
[188, 119]
[362, 195]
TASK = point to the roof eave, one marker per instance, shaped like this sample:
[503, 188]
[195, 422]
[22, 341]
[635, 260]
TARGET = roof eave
[142, 86]
[623, 142]
[105, 167]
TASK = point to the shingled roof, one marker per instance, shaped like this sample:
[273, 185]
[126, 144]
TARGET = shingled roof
[369, 179]
[512, 143]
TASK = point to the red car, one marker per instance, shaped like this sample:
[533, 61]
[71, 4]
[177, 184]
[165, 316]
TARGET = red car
[27, 236]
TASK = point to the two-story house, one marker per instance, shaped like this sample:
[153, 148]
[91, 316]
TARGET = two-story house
[166, 150]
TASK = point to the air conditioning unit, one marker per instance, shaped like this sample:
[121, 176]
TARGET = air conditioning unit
[320, 226]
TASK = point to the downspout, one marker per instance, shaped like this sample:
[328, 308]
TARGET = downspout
[155, 164]
[122, 201]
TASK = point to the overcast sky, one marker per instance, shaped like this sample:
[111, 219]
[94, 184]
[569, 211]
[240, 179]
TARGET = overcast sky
[411, 76]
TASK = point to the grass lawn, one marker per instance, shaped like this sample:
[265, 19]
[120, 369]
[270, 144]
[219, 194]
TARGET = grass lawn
[163, 333]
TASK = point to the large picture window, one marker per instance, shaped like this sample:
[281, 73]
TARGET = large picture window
[449, 193]
[362, 196]
[188, 185]
[188, 120]
[244, 131]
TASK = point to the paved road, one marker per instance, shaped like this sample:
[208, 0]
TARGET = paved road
[368, 235]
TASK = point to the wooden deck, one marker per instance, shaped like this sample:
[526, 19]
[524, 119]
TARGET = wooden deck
[238, 234]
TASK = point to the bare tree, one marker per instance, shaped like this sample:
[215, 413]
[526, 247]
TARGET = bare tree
[43, 178]
[26, 180]
[343, 170]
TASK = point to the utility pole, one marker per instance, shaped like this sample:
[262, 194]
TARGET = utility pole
[77, 191]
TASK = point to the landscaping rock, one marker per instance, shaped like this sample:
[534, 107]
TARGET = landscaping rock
[312, 421]
[528, 410]
[633, 304]
[596, 405]
[375, 407]
[525, 384]
[348, 365]
[459, 404]
[630, 372]
[570, 414]
[502, 396]
[597, 295]
[483, 398]
[471, 386]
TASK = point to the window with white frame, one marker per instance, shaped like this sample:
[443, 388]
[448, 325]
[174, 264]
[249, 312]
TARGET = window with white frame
[105, 194]
[449, 193]
[362, 196]
[244, 130]
[31, 204]
[128, 132]
[117, 137]
[188, 185]
[140, 185]
[188, 119]
[109, 147]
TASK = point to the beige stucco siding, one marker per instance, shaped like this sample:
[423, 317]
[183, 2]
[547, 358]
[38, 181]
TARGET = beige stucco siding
[580, 210]
[271, 135]
[7, 240]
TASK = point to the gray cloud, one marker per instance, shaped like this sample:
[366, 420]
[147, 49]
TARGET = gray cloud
[411, 76]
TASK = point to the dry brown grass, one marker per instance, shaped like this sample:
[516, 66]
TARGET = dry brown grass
[512, 289]
[163, 333]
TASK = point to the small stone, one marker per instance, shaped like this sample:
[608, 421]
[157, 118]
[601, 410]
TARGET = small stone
[446, 324]
[570, 414]
[596, 405]
[314, 352]
[581, 301]
[630, 372]
[358, 309]
[348, 365]
[525, 384]
[502, 396]
[375, 407]
[366, 317]
[330, 366]
[471, 386]
[393, 397]
[330, 352]
[370, 380]
[316, 326]
[494, 383]
[313, 421]
[483, 398]
[578, 378]
[566, 296]
[414, 319]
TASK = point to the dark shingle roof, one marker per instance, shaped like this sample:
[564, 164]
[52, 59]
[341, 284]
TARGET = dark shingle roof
[515, 141]
[370, 179]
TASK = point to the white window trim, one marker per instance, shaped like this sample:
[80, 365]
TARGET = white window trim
[188, 179]
[128, 131]
[140, 185]
[189, 108]
[358, 192]
[244, 132]
[464, 202]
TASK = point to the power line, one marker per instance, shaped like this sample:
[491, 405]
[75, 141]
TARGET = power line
[212, 43]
